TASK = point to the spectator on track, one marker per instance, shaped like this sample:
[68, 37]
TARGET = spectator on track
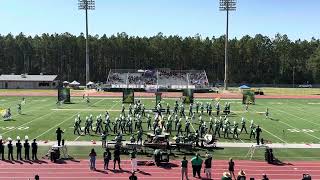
[207, 168]
[226, 176]
[231, 168]
[196, 165]
[10, 150]
[241, 175]
[1, 148]
[116, 158]
[19, 148]
[134, 162]
[106, 158]
[184, 168]
[26, 146]
[264, 177]
[133, 176]
[34, 150]
[92, 156]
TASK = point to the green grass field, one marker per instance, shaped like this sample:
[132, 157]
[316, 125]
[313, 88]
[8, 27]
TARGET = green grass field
[292, 121]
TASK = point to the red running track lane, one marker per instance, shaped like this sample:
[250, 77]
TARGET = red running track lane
[71, 170]
[164, 94]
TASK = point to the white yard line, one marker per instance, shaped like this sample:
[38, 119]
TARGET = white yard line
[302, 105]
[31, 110]
[56, 124]
[296, 116]
[293, 126]
[274, 135]
[54, 127]
[297, 128]
[28, 123]
[270, 132]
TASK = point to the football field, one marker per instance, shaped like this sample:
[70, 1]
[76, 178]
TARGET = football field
[291, 120]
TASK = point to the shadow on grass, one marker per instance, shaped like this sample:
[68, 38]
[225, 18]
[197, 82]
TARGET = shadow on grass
[273, 119]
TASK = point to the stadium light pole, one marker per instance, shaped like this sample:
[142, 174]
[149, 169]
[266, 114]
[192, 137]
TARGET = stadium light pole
[87, 5]
[227, 5]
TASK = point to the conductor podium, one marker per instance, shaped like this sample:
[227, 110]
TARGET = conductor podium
[58, 152]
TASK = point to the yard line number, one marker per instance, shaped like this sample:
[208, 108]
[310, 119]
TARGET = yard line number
[300, 130]
[12, 127]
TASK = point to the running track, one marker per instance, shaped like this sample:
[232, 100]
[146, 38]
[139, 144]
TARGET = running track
[72, 170]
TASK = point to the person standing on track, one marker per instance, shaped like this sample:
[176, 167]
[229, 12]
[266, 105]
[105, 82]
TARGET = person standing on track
[59, 133]
[92, 156]
[1, 148]
[134, 163]
[184, 168]
[231, 168]
[10, 150]
[26, 146]
[196, 165]
[19, 148]
[106, 158]
[116, 157]
[34, 146]
[207, 168]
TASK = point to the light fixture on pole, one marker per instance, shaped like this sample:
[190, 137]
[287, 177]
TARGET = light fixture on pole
[227, 5]
[87, 5]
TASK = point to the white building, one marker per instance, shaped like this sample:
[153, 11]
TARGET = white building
[25, 81]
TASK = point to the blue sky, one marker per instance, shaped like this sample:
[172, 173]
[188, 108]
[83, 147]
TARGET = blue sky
[296, 18]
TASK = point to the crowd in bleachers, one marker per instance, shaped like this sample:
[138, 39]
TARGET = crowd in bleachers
[198, 78]
[164, 77]
[115, 78]
[142, 79]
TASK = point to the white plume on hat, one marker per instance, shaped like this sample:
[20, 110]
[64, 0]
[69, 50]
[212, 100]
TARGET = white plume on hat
[9, 139]
[18, 137]
[0, 137]
[26, 137]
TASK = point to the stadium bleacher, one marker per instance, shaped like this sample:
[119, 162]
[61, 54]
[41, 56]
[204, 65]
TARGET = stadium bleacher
[160, 78]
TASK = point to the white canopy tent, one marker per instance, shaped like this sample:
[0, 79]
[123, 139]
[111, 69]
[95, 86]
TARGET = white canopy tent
[90, 83]
[74, 83]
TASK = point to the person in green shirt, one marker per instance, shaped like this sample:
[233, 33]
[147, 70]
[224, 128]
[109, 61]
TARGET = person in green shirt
[196, 165]
[184, 168]
[226, 176]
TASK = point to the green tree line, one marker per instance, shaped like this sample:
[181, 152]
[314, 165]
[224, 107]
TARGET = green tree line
[258, 59]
